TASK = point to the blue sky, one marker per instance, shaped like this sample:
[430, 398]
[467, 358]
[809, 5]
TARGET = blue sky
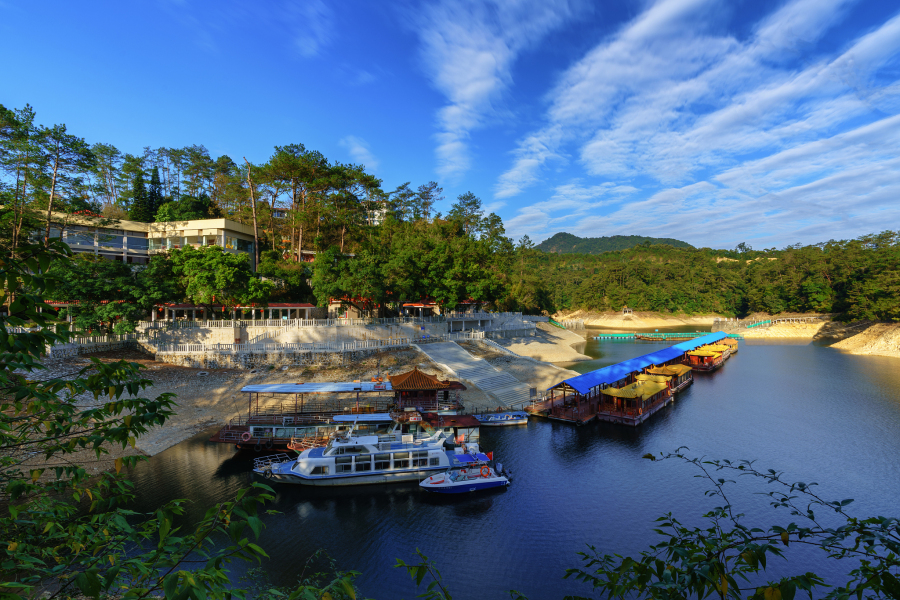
[714, 122]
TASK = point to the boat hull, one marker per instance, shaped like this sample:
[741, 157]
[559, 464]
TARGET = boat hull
[504, 423]
[467, 487]
[353, 479]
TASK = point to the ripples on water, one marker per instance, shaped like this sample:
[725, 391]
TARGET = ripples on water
[816, 413]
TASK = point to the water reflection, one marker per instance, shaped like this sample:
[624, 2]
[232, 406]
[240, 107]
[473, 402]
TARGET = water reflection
[809, 410]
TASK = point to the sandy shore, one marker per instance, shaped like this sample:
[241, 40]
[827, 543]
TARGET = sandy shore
[806, 331]
[210, 397]
[550, 344]
[637, 320]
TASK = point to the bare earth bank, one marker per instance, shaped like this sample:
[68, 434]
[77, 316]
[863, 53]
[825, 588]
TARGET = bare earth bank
[639, 320]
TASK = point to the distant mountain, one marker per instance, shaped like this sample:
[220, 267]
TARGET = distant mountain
[566, 243]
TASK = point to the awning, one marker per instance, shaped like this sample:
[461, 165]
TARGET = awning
[676, 370]
[704, 353]
[613, 373]
[641, 389]
[318, 388]
[656, 378]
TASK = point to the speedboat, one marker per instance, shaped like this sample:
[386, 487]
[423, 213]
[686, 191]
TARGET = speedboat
[473, 473]
[499, 419]
[352, 459]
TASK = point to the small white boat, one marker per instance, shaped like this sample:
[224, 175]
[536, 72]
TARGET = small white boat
[472, 474]
[501, 419]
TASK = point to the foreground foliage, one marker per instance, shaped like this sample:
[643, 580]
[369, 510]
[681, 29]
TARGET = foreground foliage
[66, 532]
[728, 558]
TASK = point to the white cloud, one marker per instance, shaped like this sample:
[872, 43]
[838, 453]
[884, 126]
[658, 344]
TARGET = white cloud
[468, 50]
[360, 152]
[312, 25]
[754, 139]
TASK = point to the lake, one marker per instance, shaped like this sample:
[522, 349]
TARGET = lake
[811, 411]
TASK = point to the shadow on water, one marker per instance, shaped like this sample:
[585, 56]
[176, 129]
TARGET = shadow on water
[809, 410]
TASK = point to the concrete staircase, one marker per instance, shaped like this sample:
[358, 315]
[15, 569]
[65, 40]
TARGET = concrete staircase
[504, 387]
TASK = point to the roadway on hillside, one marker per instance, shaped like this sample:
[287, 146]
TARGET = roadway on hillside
[503, 386]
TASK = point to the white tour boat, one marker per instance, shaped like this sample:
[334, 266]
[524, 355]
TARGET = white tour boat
[351, 459]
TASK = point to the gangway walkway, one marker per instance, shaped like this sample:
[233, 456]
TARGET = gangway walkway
[503, 386]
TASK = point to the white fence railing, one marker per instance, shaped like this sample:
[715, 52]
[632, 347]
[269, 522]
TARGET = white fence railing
[298, 348]
[288, 323]
[535, 318]
[510, 326]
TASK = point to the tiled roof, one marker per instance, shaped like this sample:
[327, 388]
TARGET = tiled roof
[417, 380]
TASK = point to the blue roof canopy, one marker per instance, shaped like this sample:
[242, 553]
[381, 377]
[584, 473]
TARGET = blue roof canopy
[613, 373]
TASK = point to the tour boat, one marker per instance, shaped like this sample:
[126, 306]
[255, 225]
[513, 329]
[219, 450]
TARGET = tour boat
[351, 459]
[472, 475]
[500, 419]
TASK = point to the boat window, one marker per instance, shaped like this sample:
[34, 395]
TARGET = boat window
[382, 462]
[343, 464]
[319, 471]
[363, 463]
[401, 460]
[435, 461]
[420, 459]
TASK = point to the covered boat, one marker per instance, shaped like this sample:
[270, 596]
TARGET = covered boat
[501, 419]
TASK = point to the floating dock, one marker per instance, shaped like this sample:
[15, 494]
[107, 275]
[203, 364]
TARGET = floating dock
[631, 391]
[674, 336]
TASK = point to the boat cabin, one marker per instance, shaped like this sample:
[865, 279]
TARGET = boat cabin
[462, 429]
[634, 403]
[682, 375]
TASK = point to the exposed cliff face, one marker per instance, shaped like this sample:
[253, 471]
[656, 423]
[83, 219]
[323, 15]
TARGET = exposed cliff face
[785, 330]
[878, 339]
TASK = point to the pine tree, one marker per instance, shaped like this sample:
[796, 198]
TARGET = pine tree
[154, 194]
[140, 209]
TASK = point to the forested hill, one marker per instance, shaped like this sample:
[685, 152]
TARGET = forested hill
[566, 243]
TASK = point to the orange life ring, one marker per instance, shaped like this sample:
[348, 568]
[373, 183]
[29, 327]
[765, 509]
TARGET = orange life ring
[485, 471]
[245, 437]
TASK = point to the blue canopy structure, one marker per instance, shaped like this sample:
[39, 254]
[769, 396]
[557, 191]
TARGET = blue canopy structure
[613, 373]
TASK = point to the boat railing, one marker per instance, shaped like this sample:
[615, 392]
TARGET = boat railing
[266, 462]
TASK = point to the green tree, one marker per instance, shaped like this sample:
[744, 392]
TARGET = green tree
[154, 193]
[210, 275]
[140, 210]
[67, 157]
[72, 533]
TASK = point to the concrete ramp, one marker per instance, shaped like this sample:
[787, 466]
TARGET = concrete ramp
[504, 387]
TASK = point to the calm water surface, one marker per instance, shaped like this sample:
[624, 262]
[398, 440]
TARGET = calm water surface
[813, 412]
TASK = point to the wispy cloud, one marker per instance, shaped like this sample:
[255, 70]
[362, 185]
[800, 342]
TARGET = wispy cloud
[360, 152]
[312, 25]
[730, 132]
[468, 49]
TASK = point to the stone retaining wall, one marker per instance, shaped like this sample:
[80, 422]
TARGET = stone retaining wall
[509, 333]
[70, 350]
[248, 360]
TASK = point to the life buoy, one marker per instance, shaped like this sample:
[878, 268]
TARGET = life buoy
[257, 447]
[267, 474]
[245, 437]
[269, 444]
[485, 471]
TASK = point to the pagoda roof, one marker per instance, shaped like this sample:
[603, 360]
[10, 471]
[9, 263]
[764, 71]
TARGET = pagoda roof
[417, 380]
